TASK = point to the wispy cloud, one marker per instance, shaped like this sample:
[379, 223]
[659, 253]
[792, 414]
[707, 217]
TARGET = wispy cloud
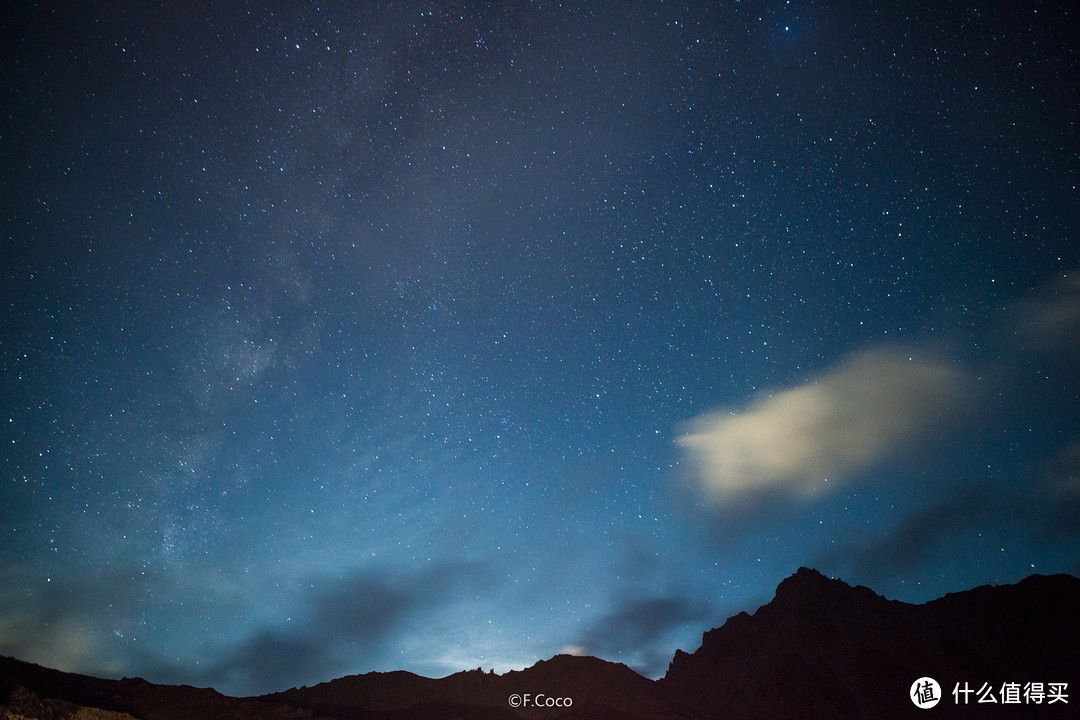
[918, 540]
[635, 631]
[1037, 507]
[342, 624]
[65, 621]
[805, 440]
[345, 624]
[1050, 321]
[1058, 492]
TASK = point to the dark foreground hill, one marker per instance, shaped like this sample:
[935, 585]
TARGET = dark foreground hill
[819, 649]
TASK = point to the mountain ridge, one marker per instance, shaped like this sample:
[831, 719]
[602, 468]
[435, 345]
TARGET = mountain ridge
[819, 649]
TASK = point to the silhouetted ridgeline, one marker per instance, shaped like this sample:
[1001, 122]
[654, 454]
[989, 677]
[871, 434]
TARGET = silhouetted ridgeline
[819, 649]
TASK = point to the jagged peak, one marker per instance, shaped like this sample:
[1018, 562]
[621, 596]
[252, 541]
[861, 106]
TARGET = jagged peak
[810, 587]
[808, 577]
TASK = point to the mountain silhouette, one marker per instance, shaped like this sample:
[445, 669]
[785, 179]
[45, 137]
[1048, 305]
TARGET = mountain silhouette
[824, 649]
[819, 649]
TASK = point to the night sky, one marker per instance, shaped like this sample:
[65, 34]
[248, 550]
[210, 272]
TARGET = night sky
[431, 336]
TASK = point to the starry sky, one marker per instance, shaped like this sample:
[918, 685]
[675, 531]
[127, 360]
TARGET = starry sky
[340, 337]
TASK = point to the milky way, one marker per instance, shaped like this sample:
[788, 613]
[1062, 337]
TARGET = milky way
[425, 336]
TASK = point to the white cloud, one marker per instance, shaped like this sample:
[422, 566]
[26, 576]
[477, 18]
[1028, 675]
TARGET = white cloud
[809, 439]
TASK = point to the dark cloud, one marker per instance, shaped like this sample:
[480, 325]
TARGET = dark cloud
[345, 624]
[359, 613]
[72, 620]
[342, 624]
[917, 539]
[273, 658]
[1049, 321]
[1035, 507]
[1057, 493]
[636, 629]
[365, 607]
